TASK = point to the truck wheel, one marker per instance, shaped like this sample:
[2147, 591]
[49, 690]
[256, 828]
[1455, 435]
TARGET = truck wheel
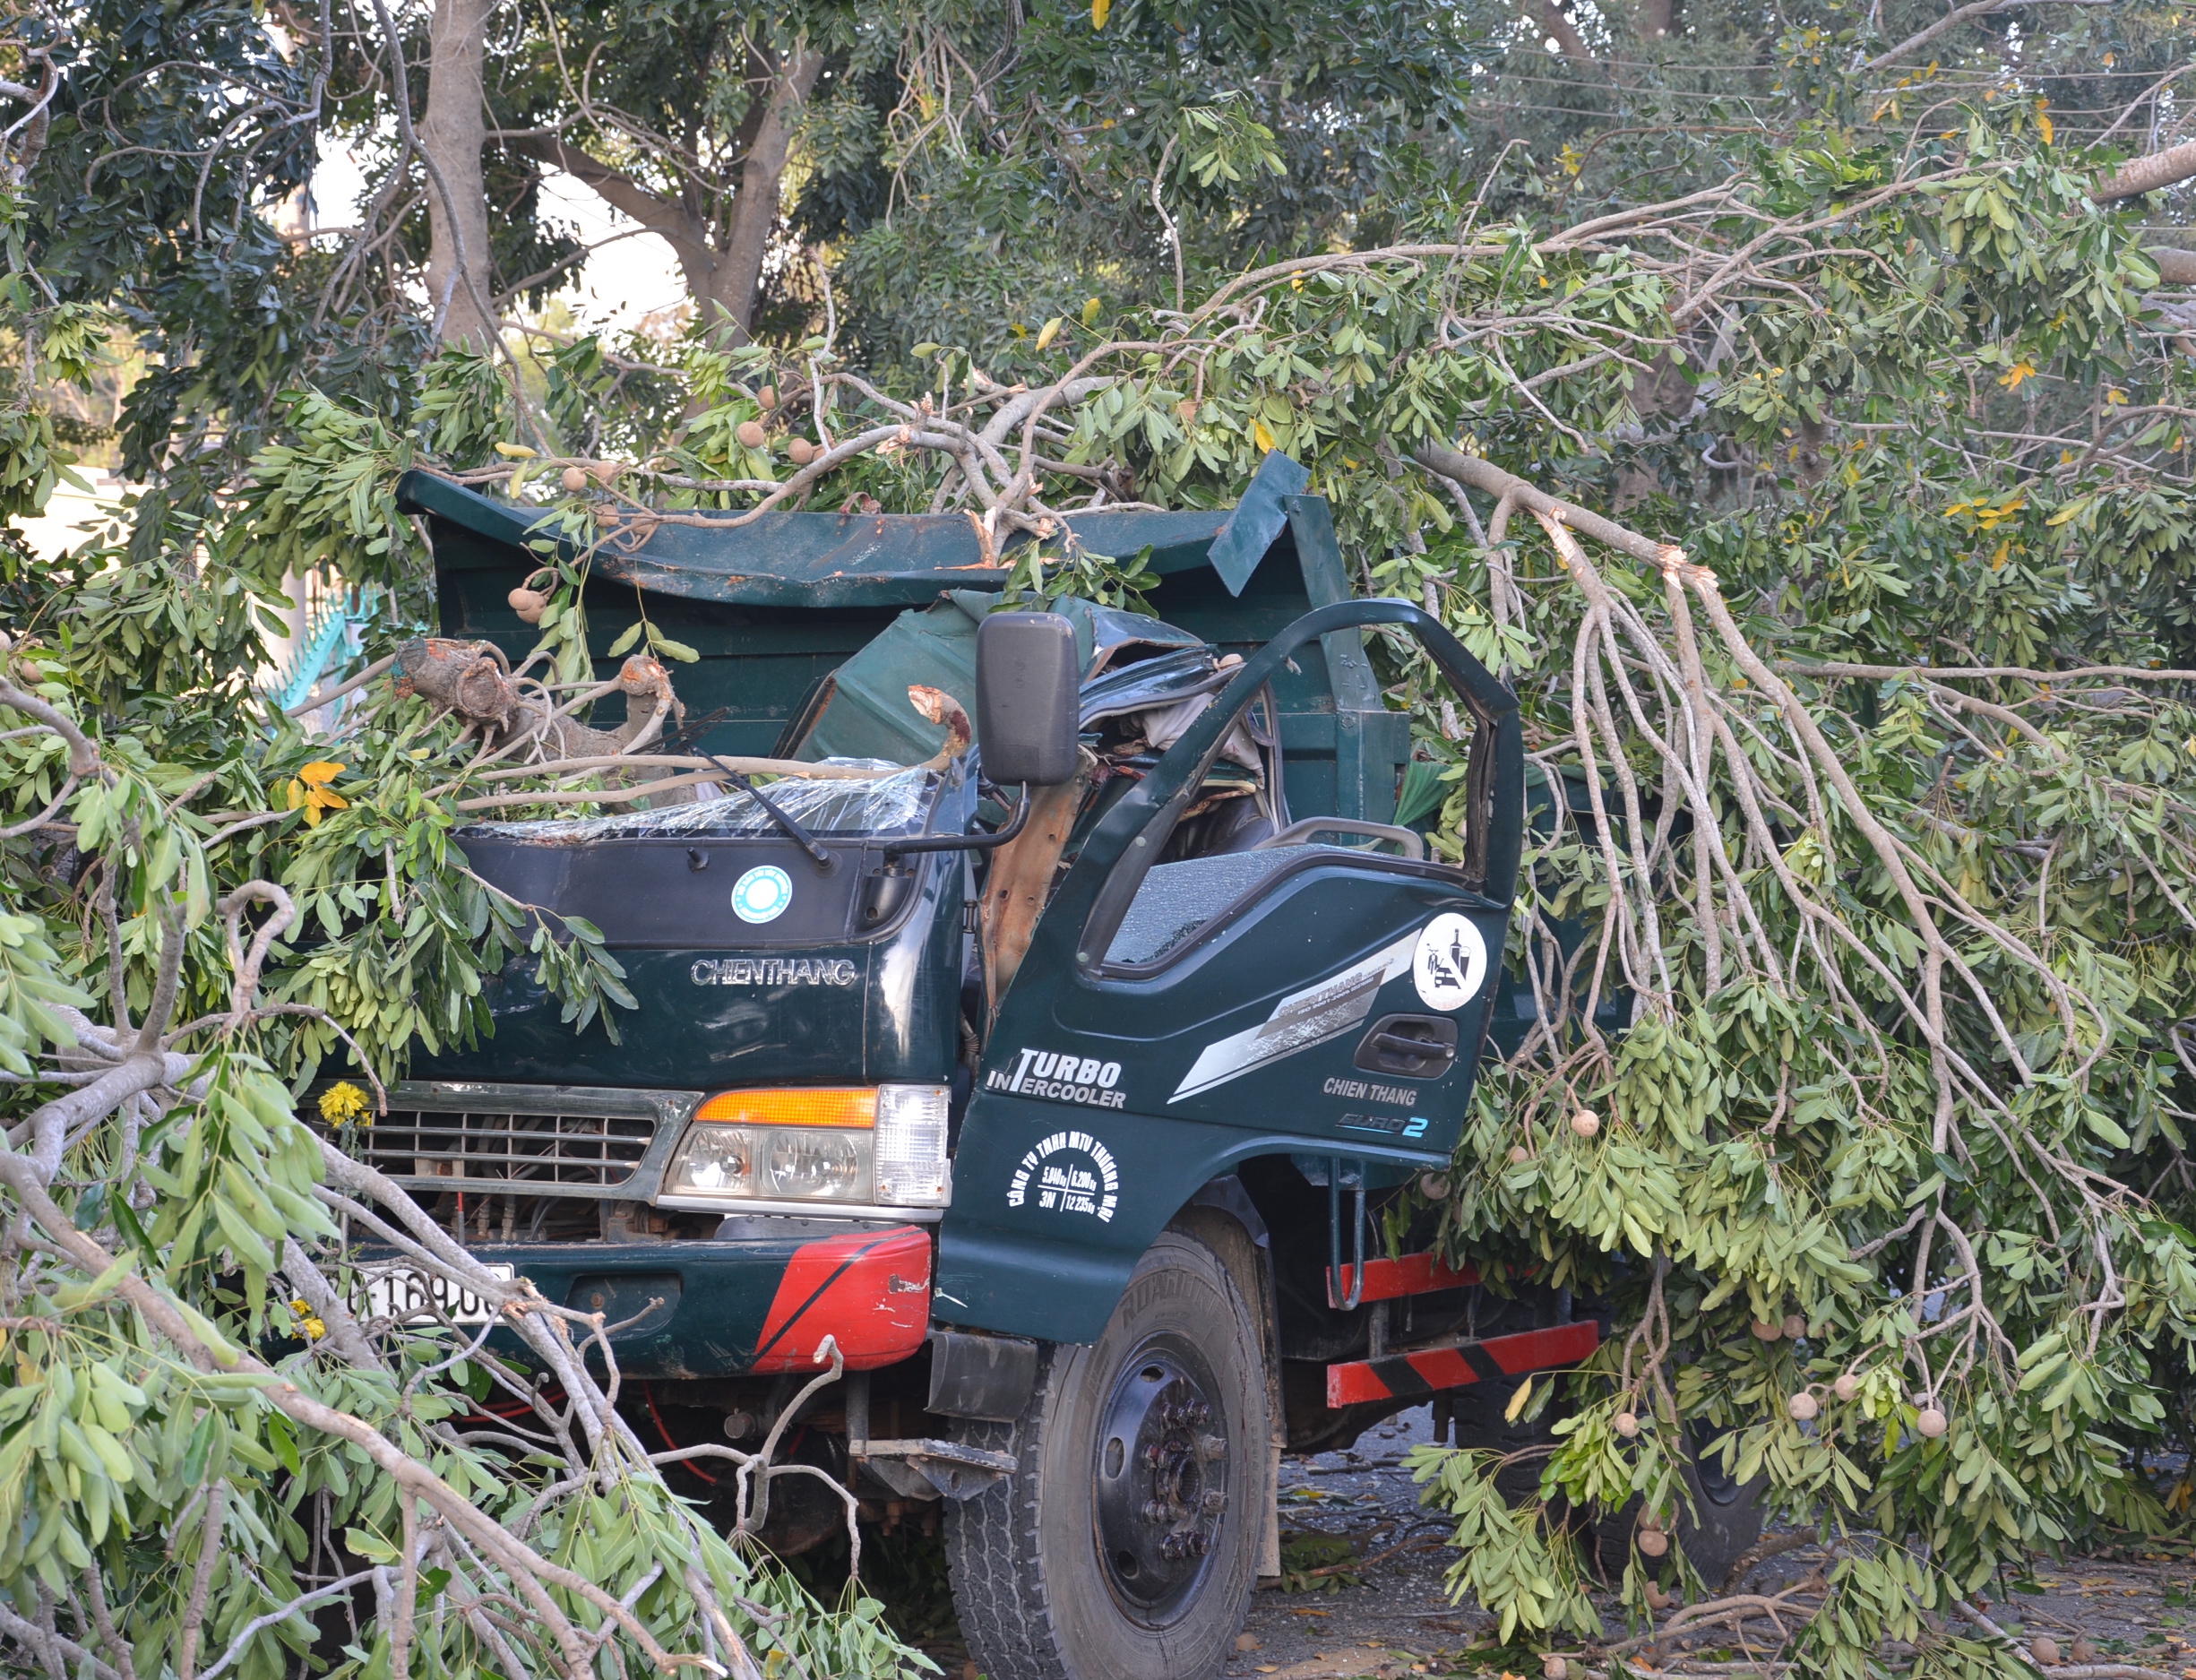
[1725, 1522]
[1125, 1543]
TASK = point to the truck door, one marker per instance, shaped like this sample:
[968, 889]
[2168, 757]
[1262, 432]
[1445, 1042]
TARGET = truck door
[1172, 1020]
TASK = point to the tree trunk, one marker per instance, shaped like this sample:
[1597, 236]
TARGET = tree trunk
[722, 274]
[1557, 23]
[453, 134]
[737, 273]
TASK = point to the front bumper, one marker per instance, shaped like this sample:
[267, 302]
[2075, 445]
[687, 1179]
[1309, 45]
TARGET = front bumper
[704, 1307]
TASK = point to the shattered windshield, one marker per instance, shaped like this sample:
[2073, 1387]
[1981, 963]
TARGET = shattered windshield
[896, 802]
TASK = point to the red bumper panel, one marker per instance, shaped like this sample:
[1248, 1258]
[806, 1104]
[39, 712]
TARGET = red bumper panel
[1402, 1376]
[1392, 1280]
[870, 1291]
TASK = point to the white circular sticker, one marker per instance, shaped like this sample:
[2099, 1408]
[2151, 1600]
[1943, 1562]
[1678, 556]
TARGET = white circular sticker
[1450, 963]
[763, 893]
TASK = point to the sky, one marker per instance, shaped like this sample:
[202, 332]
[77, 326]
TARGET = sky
[620, 284]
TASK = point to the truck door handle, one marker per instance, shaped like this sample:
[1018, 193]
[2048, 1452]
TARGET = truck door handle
[1413, 1046]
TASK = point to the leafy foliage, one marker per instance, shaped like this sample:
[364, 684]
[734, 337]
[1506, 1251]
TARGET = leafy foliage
[1876, 781]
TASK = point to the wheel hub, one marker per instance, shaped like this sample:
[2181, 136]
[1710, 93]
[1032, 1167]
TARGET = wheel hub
[1161, 1477]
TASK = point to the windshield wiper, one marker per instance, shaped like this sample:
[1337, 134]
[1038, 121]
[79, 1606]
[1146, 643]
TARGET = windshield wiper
[825, 863]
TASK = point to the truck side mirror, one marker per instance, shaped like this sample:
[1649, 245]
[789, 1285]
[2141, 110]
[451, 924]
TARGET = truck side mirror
[1028, 683]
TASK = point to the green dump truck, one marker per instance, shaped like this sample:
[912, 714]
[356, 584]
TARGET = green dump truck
[1052, 1088]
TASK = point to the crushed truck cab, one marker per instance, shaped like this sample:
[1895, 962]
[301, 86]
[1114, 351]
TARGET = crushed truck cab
[1070, 1114]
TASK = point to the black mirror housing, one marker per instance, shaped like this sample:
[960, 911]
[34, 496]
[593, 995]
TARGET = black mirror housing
[1029, 680]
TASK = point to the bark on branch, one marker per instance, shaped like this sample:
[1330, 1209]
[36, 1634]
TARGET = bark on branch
[2151, 173]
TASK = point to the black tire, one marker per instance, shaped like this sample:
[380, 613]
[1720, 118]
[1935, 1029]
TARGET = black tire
[1107, 1555]
[1722, 1526]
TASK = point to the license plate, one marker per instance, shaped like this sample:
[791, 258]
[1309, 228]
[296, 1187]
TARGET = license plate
[412, 1297]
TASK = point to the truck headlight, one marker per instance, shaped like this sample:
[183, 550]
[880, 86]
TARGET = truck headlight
[881, 1145]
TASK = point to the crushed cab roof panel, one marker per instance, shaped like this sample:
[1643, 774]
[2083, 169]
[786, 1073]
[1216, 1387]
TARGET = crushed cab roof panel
[782, 559]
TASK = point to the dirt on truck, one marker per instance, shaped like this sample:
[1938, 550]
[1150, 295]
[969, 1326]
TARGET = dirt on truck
[1017, 1127]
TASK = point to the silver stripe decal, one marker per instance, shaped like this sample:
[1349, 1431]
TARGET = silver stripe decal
[1301, 1019]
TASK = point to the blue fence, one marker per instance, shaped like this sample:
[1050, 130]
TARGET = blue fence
[331, 639]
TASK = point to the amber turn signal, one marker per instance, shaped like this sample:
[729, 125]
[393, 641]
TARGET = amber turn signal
[829, 1106]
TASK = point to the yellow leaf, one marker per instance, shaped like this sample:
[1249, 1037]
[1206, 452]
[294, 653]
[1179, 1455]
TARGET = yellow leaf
[295, 790]
[2043, 124]
[514, 451]
[1048, 331]
[320, 774]
[1997, 560]
[1090, 312]
[2014, 375]
[1517, 1401]
[1099, 10]
[1260, 435]
[328, 801]
[312, 816]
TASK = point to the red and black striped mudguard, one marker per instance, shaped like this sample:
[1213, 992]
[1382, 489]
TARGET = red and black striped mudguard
[1405, 1375]
[1392, 1280]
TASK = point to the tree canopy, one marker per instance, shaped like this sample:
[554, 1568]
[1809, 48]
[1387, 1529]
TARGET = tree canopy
[1795, 407]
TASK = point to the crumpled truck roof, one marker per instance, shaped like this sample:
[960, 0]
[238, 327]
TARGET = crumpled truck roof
[795, 559]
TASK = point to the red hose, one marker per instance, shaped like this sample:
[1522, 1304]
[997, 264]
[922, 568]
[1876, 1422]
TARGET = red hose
[648, 1390]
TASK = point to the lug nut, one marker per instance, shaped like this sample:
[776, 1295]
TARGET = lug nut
[1153, 1512]
[1213, 1503]
[1211, 1447]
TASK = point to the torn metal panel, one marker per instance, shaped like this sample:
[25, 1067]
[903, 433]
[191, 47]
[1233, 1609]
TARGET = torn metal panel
[896, 803]
[1257, 519]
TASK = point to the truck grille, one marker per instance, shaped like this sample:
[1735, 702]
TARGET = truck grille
[537, 1150]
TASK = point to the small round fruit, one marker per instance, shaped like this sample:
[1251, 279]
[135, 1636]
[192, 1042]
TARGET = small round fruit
[751, 434]
[1435, 1186]
[1803, 1406]
[1553, 1667]
[2045, 1649]
[1766, 1330]
[1651, 1522]
[2082, 1650]
[802, 451]
[1846, 1386]
[1520, 1155]
[1625, 1424]
[1931, 1423]
[574, 479]
[529, 604]
[1654, 1542]
[1795, 1327]
[767, 397]
[1586, 1122]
